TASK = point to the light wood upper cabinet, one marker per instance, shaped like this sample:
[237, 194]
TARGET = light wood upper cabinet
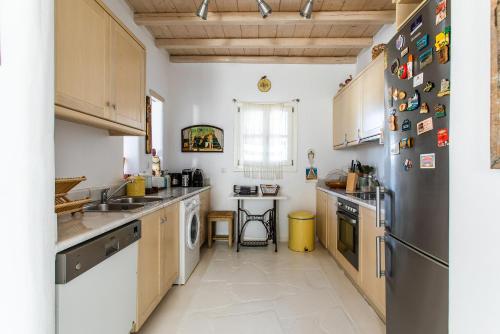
[169, 247]
[358, 109]
[354, 111]
[81, 51]
[373, 287]
[339, 133]
[148, 267]
[321, 217]
[100, 69]
[372, 116]
[127, 74]
[204, 210]
[332, 225]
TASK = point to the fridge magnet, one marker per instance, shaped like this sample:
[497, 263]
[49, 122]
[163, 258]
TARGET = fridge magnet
[395, 150]
[425, 126]
[395, 94]
[442, 138]
[403, 71]
[428, 161]
[416, 36]
[408, 164]
[406, 143]
[402, 95]
[423, 42]
[425, 58]
[402, 107]
[406, 126]
[202, 138]
[413, 102]
[417, 24]
[395, 66]
[389, 97]
[400, 42]
[418, 80]
[404, 52]
[440, 110]
[440, 11]
[424, 109]
[393, 122]
[442, 45]
[429, 86]
[409, 66]
[445, 88]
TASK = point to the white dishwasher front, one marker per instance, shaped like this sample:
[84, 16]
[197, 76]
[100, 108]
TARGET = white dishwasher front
[96, 284]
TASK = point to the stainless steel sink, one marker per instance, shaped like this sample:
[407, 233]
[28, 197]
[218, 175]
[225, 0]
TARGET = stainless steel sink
[132, 200]
[113, 207]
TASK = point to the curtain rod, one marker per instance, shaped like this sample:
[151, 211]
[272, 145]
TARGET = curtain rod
[294, 100]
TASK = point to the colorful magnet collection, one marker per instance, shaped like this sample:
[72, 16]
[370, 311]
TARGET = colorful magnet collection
[408, 67]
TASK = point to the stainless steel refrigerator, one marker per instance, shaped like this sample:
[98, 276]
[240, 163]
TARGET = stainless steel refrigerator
[417, 172]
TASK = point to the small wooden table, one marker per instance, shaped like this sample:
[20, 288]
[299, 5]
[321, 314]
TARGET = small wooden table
[268, 219]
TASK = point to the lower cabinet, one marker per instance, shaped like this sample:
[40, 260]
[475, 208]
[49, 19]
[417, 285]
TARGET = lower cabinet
[169, 248]
[332, 225]
[321, 217]
[364, 277]
[373, 287]
[158, 259]
[148, 267]
[204, 210]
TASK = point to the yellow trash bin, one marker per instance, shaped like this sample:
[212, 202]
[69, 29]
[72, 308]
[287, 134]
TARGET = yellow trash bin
[301, 231]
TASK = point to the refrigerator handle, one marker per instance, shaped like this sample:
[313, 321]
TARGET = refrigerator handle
[379, 222]
[378, 258]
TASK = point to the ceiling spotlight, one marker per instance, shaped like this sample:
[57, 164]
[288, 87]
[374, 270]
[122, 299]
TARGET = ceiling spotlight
[264, 8]
[203, 10]
[306, 11]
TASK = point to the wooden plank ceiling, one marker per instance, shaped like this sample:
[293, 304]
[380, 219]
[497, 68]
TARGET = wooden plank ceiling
[235, 32]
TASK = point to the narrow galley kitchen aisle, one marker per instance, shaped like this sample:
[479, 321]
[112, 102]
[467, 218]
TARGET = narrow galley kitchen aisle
[259, 291]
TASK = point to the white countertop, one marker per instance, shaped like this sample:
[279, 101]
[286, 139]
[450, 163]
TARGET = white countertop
[72, 230]
[369, 204]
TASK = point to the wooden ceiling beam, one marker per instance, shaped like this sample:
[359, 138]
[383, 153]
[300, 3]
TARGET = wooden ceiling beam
[257, 43]
[263, 60]
[254, 18]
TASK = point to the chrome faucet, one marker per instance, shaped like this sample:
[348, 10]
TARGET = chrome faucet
[104, 193]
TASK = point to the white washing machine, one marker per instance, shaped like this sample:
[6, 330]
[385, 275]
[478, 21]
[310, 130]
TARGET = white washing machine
[189, 237]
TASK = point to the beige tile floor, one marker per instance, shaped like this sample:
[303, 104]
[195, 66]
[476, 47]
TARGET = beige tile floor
[259, 291]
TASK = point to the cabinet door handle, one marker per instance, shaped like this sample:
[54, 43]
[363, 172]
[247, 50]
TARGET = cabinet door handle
[108, 104]
[163, 220]
[114, 106]
[379, 273]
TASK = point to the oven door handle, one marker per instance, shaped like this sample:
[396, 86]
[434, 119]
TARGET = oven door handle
[349, 219]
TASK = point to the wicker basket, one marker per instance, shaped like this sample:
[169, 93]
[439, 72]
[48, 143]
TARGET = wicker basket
[63, 205]
[269, 189]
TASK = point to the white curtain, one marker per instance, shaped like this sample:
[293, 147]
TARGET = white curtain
[265, 131]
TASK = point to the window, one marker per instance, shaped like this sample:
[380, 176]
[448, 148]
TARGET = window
[265, 137]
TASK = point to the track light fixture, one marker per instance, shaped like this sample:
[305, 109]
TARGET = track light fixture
[203, 10]
[306, 11]
[264, 8]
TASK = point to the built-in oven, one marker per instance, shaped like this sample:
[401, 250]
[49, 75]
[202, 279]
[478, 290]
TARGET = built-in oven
[348, 231]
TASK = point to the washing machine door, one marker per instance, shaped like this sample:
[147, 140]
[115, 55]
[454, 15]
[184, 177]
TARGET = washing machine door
[193, 230]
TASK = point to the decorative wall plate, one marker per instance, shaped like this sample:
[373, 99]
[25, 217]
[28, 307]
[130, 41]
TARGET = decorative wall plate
[264, 84]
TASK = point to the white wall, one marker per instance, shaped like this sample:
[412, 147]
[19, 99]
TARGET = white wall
[474, 221]
[103, 164]
[26, 142]
[203, 93]
[383, 36]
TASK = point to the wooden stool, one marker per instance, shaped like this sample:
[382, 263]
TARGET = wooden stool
[213, 217]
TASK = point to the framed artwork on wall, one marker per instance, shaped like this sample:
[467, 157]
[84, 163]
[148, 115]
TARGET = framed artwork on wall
[149, 130]
[495, 85]
[202, 138]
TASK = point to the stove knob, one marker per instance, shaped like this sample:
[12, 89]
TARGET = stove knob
[78, 266]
